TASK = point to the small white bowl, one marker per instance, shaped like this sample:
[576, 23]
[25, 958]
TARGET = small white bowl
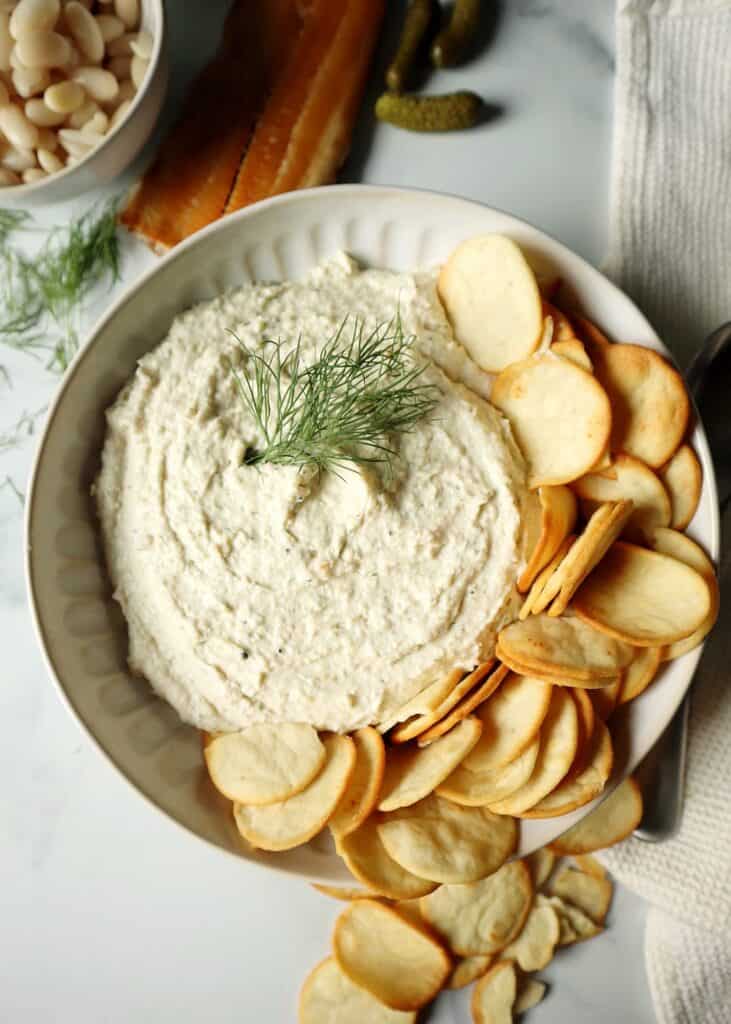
[120, 148]
[80, 628]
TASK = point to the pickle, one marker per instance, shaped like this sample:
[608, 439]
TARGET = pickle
[451, 43]
[447, 113]
[418, 20]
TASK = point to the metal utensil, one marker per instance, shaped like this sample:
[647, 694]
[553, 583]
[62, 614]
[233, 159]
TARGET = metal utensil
[662, 773]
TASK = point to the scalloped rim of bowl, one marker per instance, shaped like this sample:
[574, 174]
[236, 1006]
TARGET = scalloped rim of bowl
[20, 192]
[711, 532]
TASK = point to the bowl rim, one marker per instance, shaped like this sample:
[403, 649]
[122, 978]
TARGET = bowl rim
[712, 542]
[36, 188]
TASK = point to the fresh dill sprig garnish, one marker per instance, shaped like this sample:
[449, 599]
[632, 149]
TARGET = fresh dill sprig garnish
[41, 296]
[11, 220]
[11, 484]
[345, 408]
[23, 428]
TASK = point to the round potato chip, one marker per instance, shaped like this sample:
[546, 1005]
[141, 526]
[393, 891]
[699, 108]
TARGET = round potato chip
[678, 545]
[485, 916]
[639, 673]
[604, 699]
[683, 479]
[492, 300]
[588, 863]
[544, 676]
[605, 525]
[585, 720]
[338, 892]
[614, 819]
[574, 924]
[588, 331]
[510, 720]
[589, 893]
[558, 515]
[533, 948]
[328, 996]
[466, 706]
[573, 350]
[649, 402]
[565, 647]
[265, 763]
[632, 481]
[424, 702]
[563, 332]
[579, 788]
[468, 969]
[559, 738]
[416, 726]
[412, 773]
[362, 791]
[367, 860]
[477, 789]
[642, 597]
[294, 821]
[530, 993]
[444, 842]
[541, 863]
[697, 637]
[559, 413]
[381, 951]
[494, 995]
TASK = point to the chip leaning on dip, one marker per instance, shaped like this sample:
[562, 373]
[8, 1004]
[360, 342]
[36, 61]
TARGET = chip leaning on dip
[323, 503]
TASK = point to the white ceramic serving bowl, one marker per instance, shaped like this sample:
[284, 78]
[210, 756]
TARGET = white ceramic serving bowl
[79, 626]
[120, 147]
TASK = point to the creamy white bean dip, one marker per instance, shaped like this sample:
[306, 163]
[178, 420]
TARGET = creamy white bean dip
[261, 593]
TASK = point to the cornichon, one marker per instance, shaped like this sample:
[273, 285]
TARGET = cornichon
[418, 20]
[451, 43]
[447, 113]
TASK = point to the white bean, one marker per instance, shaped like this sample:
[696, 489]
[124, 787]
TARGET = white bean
[43, 49]
[121, 46]
[99, 122]
[19, 160]
[33, 174]
[30, 81]
[120, 67]
[87, 34]
[34, 16]
[119, 114]
[64, 97]
[47, 139]
[15, 61]
[110, 27]
[76, 142]
[40, 114]
[128, 11]
[101, 85]
[49, 161]
[127, 91]
[142, 45]
[6, 42]
[138, 70]
[16, 127]
[85, 112]
[8, 177]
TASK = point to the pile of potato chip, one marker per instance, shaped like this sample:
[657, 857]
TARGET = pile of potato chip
[390, 958]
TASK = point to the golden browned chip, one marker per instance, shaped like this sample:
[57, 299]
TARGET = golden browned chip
[539, 584]
[642, 597]
[683, 479]
[559, 413]
[581, 787]
[385, 954]
[541, 863]
[556, 679]
[574, 924]
[468, 969]
[328, 996]
[559, 738]
[613, 820]
[604, 526]
[697, 637]
[530, 993]
[533, 948]
[361, 793]
[631, 481]
[297, 819]
[492, 300]
[482, 917]
[639, 673]
[510, 720]
[563, 647]
[424, 702]
[445, 842]
[588, 331]
[558, 515]
[412, 773]
[416, 726]
[338, 892]
[678, 545]
[264, 763]
[573, 350]
[494, 995]
[367, 860]
[562, 330]
[477, 789]
[587, 863]
[587, 892]
[465, 707]
[604, 699]
[650, 405]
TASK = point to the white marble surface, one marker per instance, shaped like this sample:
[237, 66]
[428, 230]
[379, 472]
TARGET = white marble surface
[109, 912]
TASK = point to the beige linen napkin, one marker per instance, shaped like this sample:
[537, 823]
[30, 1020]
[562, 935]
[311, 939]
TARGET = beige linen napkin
[670, 249]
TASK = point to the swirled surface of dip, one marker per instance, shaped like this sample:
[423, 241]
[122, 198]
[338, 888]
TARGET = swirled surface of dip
[262, 593]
